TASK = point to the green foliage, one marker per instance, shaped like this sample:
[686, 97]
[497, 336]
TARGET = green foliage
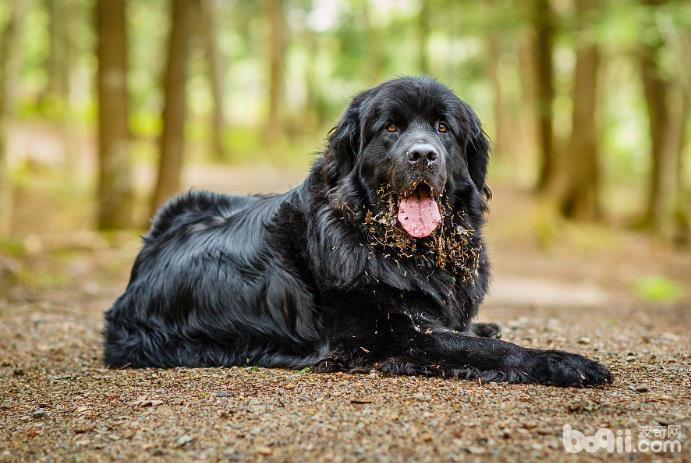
[11, 247]
[331, 50]
[656, 288]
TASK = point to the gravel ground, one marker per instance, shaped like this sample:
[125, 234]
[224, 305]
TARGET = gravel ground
[58, 402]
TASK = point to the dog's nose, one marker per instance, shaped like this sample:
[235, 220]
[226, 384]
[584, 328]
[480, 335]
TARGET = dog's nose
[422, 154]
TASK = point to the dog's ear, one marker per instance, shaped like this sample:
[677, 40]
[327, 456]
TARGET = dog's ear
[477, 151]
[345, 140]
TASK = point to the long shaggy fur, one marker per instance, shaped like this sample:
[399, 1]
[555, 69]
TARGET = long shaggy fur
[303, 278]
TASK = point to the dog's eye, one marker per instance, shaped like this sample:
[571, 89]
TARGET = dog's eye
[392, 128]
[442, 128]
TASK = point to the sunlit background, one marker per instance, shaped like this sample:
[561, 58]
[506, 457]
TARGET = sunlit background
[586, 102]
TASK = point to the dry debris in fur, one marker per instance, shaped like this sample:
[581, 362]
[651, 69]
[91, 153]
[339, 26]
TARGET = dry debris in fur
[453, 246]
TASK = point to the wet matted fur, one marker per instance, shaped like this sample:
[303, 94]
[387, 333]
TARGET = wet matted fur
[324, 275]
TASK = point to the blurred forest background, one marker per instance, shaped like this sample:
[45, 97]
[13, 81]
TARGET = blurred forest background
[109, 107]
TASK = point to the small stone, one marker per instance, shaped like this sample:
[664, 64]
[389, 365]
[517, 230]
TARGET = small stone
[39, 414]
[222, 394]
[641, 388]
[530, 425]
[505, 434]
[184, 440]
[584, 340]
[263, 450]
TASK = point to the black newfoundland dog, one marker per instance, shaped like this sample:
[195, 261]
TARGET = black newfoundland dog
[375, 262]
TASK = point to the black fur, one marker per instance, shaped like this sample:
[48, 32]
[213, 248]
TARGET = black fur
[299, 279]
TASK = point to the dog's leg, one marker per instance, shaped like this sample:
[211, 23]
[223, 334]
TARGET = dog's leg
[486, 330]
[438, 351]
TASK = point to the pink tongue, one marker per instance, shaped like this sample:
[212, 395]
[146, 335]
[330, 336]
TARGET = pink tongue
[418, 214]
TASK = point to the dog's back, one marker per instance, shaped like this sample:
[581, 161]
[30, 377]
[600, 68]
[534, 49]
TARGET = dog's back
[208, 290]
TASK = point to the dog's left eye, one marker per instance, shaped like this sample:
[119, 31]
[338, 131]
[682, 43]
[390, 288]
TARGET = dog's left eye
[442, 128]
[392, 128]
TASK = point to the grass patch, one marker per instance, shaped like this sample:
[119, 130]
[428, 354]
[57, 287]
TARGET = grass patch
[656, 288]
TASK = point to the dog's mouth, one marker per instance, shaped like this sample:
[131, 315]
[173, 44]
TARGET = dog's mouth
[418, 211]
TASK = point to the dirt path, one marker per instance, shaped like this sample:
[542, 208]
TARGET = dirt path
[58, 403]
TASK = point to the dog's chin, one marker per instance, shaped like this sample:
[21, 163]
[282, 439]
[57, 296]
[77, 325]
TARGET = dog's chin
[418, 210]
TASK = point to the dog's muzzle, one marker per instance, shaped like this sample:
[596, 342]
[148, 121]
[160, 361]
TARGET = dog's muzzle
[420, 183]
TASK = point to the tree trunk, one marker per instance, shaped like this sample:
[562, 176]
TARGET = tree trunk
[543, 43]
[578, 198]
[215, 69]
[172, 141]
[114, 182]
[315, 107]
[70, 9]
[423, 23]
[682, 212]
[58, 68]
[502, 142]
[10, 67]
[277, 45]
[56, 25]
[667, 107]
[375, 55]
[524, 142]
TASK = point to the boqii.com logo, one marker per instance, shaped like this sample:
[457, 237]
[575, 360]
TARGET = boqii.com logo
[653, 439]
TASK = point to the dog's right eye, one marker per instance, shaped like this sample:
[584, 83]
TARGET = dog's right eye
[392, 128]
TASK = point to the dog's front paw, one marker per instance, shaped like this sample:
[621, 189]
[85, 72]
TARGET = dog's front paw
[329, 365]
[564, 369]
[486, 330]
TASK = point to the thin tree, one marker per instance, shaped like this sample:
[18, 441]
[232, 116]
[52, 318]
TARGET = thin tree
[10, 64]
[56, 25]
[315, 105]
[58, 66]
[667, 106]
[544, 24]
[495, 49]
[172, 141]
[277, 46]
[682, 209]
[578, 198]
[375, 59]
[114, 181]
[423, 26]
[215, 70]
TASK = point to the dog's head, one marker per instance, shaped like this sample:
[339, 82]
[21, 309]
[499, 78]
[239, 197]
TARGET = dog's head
[417, 140]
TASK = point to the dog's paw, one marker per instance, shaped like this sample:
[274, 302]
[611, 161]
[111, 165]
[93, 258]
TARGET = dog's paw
[328, 365]
[565, 369]
[486, 330]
